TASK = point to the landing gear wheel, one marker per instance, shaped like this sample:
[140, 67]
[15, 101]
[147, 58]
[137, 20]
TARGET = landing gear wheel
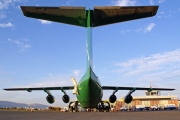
[107, 109]
[73, 106]
[71, 109]
[76, 106]
[102, 107]
[76, 109]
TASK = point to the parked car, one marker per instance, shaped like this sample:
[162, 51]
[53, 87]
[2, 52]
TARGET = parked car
[169, 106]
[147, 108]
[154, 108]
[123, 109]
[140, 107]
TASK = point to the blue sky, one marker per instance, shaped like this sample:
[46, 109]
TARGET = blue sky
[36, 53]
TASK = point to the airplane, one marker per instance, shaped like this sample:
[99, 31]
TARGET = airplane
[89, 91]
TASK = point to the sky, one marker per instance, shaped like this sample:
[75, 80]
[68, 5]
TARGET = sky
[38, 53]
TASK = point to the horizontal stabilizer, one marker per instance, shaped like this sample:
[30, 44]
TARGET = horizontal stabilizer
[113, 14]
[102, 15]
[63, 14]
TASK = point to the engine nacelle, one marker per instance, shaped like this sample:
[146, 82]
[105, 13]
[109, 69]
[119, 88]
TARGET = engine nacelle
[128, 99]
[65, 98]
[50, 99]
[112, 98]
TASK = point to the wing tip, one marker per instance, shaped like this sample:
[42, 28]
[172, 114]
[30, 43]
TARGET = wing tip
[155, 9]
[23, 8]
[7, 89]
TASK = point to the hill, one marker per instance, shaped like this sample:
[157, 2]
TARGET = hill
[4, 104]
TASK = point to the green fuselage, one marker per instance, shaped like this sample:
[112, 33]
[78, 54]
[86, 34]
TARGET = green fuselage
[89, 88]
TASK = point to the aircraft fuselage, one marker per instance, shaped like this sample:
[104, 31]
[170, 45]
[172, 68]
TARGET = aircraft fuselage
[89, 90]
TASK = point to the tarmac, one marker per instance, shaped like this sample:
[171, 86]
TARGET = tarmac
[54, 115]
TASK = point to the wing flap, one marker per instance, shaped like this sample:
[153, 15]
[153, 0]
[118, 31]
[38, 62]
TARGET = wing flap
[63, 14]
[41, 88]
[134, 88]
[113, 14]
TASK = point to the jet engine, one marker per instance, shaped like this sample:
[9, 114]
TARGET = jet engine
[112, 98]
[50, 99]
[128, 99]
[65, 98]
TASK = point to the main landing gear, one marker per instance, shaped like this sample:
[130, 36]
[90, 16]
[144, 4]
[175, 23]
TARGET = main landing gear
[103, 106]
[73, 106]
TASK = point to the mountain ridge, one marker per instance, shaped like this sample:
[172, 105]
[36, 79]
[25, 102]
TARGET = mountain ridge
[9, 104]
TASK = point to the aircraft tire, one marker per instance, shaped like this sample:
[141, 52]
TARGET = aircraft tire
[76, 109]
[71, 109]
[107, 109]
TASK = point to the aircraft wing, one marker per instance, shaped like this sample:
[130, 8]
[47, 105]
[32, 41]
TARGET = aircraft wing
[134, 88]
[113, 14]
[63, 14]
[40, 88]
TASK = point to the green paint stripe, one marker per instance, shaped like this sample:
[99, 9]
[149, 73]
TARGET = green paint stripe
[89, 18]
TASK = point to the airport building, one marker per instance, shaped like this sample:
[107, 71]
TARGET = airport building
[153, 98]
